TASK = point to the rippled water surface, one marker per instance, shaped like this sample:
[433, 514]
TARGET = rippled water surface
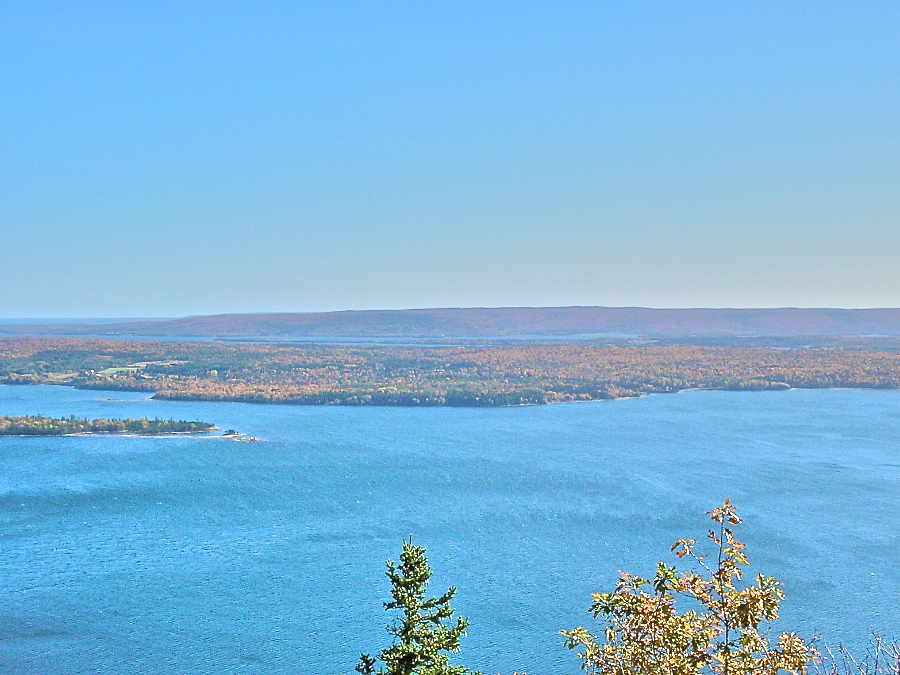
[204, 555]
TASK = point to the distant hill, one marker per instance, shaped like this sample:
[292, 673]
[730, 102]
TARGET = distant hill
[501, 322]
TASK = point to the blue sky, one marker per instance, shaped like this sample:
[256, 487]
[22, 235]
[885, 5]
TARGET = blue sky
[163, 159]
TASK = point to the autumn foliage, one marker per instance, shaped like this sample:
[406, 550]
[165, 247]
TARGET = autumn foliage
[723, 632]
[475, 376]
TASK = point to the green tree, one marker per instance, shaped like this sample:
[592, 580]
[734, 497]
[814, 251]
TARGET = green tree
[646, 634]
[426, 632]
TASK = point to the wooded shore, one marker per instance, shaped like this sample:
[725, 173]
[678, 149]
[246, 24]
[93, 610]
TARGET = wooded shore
[67, 426]
[470, 376]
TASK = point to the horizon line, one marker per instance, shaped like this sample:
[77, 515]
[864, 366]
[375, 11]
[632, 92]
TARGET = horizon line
[122, 319]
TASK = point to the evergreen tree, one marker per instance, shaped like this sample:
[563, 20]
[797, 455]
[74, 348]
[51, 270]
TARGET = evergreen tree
[426, 632]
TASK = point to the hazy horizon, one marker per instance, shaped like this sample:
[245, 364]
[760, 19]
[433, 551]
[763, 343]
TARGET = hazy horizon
[170, 160]
[48, 320]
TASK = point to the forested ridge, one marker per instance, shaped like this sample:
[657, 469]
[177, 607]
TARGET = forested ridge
[482, 375]
[498, 321]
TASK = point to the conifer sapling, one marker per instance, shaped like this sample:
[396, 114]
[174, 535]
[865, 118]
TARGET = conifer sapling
[427, 631]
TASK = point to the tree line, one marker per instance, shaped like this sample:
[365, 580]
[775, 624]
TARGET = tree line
[61, 426]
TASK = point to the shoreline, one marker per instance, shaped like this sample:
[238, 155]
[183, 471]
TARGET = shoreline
[44, 425]
[120, 434]
[477, 377]
[191, 398]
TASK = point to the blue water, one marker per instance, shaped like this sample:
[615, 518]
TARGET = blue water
[203, 555]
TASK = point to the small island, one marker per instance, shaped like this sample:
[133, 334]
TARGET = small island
[67, 426]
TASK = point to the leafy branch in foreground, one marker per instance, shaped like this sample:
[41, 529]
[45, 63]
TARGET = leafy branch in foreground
[423, 641]
[647, 634]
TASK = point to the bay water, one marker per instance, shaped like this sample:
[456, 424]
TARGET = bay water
[206, 555]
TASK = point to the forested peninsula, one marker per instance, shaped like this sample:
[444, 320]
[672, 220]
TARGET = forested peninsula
[478, 375]
[65, 426]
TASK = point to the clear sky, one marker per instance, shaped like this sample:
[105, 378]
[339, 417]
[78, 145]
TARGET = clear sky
[163, 159]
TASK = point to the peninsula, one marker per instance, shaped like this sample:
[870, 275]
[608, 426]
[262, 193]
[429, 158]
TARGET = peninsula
[484, 375]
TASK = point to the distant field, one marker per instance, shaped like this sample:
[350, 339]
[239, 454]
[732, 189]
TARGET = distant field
[497, 375]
